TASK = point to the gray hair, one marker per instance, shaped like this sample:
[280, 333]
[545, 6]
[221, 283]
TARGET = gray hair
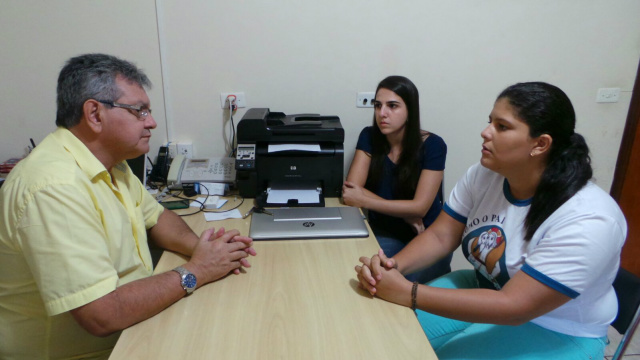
[92, 76]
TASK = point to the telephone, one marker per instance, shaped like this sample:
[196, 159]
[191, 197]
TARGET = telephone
[160, 169]
[185, 171]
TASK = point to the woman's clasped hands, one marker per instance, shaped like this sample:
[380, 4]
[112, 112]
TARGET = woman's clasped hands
[380, 277]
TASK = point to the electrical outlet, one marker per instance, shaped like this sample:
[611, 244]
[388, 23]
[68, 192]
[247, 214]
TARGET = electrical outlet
[240, 99]
[608, 95]
[365, 99]
[173, 151]
[185, 149]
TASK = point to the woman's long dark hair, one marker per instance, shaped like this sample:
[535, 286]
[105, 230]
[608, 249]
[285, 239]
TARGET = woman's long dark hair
[408, 163]
[547, 110]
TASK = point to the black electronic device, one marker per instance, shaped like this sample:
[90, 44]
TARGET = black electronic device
[277, 153]
[139, 167]
[161, 167]
[190, 189]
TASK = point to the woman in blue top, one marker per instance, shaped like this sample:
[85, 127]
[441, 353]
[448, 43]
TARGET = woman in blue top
[397, 172]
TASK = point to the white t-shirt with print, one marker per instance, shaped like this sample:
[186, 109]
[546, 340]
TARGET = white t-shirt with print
[575, 251]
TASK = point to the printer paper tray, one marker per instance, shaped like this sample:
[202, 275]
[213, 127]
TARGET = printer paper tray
[261, 201]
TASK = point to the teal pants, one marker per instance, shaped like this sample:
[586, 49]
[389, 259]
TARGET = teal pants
[453, 339]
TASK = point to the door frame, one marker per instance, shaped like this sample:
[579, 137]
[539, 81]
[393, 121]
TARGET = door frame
[633, 117]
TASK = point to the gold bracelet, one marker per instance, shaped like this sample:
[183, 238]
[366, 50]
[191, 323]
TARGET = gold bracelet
[414, 295]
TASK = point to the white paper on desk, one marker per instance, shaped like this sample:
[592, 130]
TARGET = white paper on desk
[303, 196]
[213, 216]
[299, 147]
[197, 204]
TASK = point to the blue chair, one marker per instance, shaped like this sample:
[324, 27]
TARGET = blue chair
[627, 287]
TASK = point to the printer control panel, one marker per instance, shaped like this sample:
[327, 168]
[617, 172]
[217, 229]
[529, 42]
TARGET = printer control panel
[246, 156]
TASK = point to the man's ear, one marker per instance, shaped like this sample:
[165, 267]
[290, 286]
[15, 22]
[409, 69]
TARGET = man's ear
[92, 115]
[542, 145]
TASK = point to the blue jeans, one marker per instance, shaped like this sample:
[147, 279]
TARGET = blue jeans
[454, 339]
[392, 245]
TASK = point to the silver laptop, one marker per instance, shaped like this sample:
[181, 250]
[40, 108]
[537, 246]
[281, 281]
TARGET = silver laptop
[308, 223]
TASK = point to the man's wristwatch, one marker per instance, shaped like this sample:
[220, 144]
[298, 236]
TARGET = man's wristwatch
[187, 279]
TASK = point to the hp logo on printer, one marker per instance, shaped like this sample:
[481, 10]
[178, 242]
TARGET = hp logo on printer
[308, 224]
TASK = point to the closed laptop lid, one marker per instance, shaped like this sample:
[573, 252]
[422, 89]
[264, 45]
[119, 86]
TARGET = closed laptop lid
[308, 223]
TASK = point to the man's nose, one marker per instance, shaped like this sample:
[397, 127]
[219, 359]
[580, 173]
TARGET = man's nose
[150, 122]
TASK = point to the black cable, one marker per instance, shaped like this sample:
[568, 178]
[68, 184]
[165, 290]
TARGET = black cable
[186, 198]
[202, 206]
[149, 183]
[219, 211]
[233, 138]
[223, 211]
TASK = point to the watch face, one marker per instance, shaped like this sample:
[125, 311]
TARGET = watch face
[189, 281]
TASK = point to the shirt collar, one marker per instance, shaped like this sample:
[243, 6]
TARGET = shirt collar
[506, 189]
[85, 159]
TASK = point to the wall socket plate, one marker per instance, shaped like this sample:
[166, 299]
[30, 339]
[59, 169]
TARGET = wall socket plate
[608, 95]
[240, 99]
[365, 99]
[173, 150]
[185, 149]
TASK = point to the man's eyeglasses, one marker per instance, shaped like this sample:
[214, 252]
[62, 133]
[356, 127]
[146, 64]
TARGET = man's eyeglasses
[141, 112]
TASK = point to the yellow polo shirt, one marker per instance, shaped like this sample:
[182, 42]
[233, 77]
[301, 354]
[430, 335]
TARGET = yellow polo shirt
[68, 237]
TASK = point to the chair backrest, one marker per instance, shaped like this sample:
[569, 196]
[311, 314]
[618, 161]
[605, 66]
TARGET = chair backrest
[627, 287]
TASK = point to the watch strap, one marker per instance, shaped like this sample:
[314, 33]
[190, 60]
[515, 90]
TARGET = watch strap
[184, 274]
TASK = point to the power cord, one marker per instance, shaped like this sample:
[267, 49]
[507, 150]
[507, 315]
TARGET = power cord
[202, 206]
[219, 211]
[231, 100]
[150, 183]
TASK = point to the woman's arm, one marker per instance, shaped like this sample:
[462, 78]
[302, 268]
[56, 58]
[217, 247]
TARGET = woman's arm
[354, 193]
[359, 169]
[520, 300]
[428, 187]
[440, 239]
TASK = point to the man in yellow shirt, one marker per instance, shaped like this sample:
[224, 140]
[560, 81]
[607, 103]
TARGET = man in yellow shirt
[75, 267]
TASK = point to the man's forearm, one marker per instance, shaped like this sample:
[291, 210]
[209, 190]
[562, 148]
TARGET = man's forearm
[130, 304]
[172, 233]
[215, 256]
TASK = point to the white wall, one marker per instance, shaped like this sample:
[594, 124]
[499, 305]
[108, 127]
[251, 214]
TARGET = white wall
[313, 56]
[38, 36]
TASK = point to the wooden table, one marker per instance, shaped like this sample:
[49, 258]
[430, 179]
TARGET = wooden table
[299, 300]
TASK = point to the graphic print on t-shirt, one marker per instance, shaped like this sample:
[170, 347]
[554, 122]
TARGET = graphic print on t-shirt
[484, 247]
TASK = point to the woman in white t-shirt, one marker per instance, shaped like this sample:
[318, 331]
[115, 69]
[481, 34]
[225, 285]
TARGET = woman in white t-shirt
[543, 239]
